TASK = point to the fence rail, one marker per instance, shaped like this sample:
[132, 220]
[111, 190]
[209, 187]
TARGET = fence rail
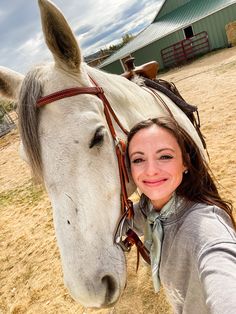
[6, 122]
[185, 49]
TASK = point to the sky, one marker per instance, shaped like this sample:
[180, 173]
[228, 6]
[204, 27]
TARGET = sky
[96, 23]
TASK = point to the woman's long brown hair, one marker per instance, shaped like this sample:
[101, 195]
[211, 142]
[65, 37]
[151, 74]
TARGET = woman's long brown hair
[198, 184]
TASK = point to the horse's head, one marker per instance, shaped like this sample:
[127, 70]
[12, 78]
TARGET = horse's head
[69, 146]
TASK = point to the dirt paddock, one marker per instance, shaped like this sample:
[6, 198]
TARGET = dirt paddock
[30, 272]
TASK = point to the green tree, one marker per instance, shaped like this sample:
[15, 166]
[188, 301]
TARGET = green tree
[112, 48]
[126, 38]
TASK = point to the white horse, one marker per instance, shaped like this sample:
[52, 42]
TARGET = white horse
[69, 145]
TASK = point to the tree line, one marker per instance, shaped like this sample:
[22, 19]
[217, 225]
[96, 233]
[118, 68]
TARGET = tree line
[112, 48]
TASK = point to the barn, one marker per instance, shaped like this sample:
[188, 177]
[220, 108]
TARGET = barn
[181, 30]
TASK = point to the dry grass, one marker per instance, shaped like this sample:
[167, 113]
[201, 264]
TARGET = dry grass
[30, 272]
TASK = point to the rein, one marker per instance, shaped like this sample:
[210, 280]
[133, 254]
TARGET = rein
[120, 147]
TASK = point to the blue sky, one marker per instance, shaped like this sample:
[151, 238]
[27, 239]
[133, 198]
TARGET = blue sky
[96, 24]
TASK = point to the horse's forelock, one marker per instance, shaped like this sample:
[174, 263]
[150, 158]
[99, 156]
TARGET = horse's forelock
[31, 91]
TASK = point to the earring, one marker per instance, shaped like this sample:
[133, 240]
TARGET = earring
[186, 171]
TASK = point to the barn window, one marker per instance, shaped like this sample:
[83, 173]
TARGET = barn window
[188, 32]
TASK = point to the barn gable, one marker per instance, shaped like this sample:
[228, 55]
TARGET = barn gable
[173, 21]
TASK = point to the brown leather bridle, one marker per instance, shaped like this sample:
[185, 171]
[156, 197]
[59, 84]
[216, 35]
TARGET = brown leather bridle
[120, 146]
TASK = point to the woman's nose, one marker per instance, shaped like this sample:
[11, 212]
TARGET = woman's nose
[152, 168]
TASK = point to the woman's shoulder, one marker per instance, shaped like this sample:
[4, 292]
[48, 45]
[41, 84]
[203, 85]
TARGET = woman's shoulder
[210, 215]
[208, 224]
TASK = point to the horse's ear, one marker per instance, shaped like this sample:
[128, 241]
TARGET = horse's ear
[59, 37]
[10, 83]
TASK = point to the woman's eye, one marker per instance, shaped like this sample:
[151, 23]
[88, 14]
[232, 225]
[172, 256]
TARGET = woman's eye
[137, 160]
[164, 157]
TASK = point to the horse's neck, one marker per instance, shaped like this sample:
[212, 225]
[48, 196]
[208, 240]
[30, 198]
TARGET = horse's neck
[130, 102]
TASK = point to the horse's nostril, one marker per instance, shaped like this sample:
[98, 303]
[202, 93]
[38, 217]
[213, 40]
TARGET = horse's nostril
[111, 287]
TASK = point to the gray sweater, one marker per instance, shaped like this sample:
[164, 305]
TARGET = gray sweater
[198, 259]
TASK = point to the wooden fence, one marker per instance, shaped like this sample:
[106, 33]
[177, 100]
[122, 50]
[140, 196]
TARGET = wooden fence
[186, 49]
[6, 122]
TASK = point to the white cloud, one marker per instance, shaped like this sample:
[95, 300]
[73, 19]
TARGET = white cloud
[96, 25]
[33, 45]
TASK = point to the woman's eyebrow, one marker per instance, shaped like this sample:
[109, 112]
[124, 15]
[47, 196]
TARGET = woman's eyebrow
[158, 151]
[166, 148]
[134, 153]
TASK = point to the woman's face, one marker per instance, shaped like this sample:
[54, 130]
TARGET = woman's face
[156, 164]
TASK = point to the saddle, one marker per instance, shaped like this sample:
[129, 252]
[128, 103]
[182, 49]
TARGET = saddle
[149, 73]
[148, 70]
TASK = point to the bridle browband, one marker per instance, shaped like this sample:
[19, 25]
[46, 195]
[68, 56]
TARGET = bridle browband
[120, 147]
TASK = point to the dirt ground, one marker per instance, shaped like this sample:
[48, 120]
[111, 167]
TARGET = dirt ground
[30, 273]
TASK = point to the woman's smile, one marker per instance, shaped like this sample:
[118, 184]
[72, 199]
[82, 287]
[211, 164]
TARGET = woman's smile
[155, 182]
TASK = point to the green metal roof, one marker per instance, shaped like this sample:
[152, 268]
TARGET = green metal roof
[171, 22]
[169, 6]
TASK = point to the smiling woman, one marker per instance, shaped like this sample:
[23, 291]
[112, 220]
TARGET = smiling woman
[156, 164]
[188, 228]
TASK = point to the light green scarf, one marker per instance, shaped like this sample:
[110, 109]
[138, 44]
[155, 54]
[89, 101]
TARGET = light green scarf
[153, 236]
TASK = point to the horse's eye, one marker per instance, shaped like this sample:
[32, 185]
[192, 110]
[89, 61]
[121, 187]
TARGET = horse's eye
[98, 138]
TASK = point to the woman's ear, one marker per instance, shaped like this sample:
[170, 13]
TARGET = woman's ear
[186, 164]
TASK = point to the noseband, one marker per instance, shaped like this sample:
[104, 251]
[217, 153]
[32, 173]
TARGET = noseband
[120, 146]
